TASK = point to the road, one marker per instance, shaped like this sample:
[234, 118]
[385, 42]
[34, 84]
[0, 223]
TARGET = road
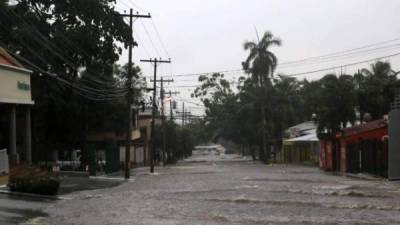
[210, 190]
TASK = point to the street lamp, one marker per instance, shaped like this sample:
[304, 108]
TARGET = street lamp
[314, 118]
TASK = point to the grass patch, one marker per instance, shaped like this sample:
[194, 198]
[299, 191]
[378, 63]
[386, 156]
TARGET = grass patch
[3, 180]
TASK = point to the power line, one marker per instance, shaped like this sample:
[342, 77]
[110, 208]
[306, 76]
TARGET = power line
[89, 90]
[150, 39]
[57, 50]
[341, 66]
[159, 38]
[51, 47]
[133, 5]
[190, 102]
[341, 52]
[207, 73]
[343, 56]
[348, 52]
[78, 90]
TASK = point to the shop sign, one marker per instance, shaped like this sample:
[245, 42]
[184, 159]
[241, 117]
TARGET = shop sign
[23, 86]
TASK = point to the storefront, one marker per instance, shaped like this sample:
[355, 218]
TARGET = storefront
[15, 108]
[358, 149]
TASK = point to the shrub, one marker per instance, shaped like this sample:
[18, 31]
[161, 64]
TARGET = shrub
[30, 179]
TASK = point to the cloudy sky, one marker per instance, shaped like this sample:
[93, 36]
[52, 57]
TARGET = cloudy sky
[208, 35]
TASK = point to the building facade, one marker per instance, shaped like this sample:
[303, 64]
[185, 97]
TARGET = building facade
[358, 149]
[15, 108]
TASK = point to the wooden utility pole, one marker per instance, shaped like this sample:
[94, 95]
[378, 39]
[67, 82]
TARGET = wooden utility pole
[171, 115]
[183, 114]
[155, 62]
[162, 96]
[129, 96]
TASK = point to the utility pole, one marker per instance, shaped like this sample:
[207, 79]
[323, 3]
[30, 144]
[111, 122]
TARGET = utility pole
[189, 117]
[170, 103]
[162, 95]
[183, 114]
[129, 96]
[155, 62]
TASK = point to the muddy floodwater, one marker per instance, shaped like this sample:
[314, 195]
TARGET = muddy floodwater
[212, 189]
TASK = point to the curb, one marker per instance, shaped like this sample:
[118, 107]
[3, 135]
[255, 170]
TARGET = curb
[21, 194]
[112, 178]
[364, 177]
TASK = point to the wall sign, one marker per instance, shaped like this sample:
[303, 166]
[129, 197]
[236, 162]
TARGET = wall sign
[23, 86]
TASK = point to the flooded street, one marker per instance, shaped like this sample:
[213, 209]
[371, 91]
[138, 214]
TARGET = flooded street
[210, 189]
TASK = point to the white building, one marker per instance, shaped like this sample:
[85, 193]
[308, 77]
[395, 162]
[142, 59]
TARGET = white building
[15, 108]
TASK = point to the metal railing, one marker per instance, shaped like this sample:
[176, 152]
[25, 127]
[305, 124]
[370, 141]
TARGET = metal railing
[396, 103]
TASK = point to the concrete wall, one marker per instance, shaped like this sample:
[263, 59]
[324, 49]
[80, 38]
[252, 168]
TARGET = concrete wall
[137, 155]
[122, 154]
[394, 145]
[140, 155]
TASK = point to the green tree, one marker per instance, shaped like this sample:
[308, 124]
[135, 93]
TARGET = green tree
[77, 41]
[376, 89]
[261, 64]
[221, 105]
[287, 108]
[337, 101]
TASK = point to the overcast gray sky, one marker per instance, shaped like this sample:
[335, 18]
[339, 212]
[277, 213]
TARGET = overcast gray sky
[208, 35]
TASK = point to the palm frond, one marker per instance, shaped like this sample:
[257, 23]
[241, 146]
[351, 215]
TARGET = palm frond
[249, 45]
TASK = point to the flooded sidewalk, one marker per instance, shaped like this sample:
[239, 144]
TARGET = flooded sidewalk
[232, 191]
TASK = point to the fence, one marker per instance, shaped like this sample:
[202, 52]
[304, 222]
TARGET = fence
[4, 168]
[62, 165]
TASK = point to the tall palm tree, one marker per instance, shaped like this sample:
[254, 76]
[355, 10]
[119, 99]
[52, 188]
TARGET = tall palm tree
[377, 89]
[261, 64]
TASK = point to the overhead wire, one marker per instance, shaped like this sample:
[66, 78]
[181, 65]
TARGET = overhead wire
[139, 40]
[341, 66]
[325, 57]
[81, 91]
[55, 50]
[38, 69]
[159, 38]
[92, 78]
[341, 52]
[344, 56]
[151, 40]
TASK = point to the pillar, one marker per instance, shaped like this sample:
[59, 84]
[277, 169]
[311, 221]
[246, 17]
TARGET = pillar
[343, 156]
[28, 136]
[13, 135]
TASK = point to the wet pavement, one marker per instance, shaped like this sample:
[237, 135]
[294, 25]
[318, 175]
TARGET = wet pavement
[211, 189]
[74, 184]
[19, 210]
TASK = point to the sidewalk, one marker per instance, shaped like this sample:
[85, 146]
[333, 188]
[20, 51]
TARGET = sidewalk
[73, 184]
[365, 176]
[69, 184]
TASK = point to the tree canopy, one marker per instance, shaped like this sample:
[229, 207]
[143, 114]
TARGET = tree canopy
[263, 106]
[72, 47]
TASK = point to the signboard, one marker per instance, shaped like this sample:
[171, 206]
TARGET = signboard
[15, 87]
[23, 86]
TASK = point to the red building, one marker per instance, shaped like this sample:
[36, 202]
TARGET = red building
[356, 149]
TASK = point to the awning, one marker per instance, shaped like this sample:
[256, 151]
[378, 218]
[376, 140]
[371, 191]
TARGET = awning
[312, 137]
[16, 101]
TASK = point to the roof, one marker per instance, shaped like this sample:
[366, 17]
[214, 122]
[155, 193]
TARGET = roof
[301, 129]
[9, 62]
[311, 136]
[365, 127]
